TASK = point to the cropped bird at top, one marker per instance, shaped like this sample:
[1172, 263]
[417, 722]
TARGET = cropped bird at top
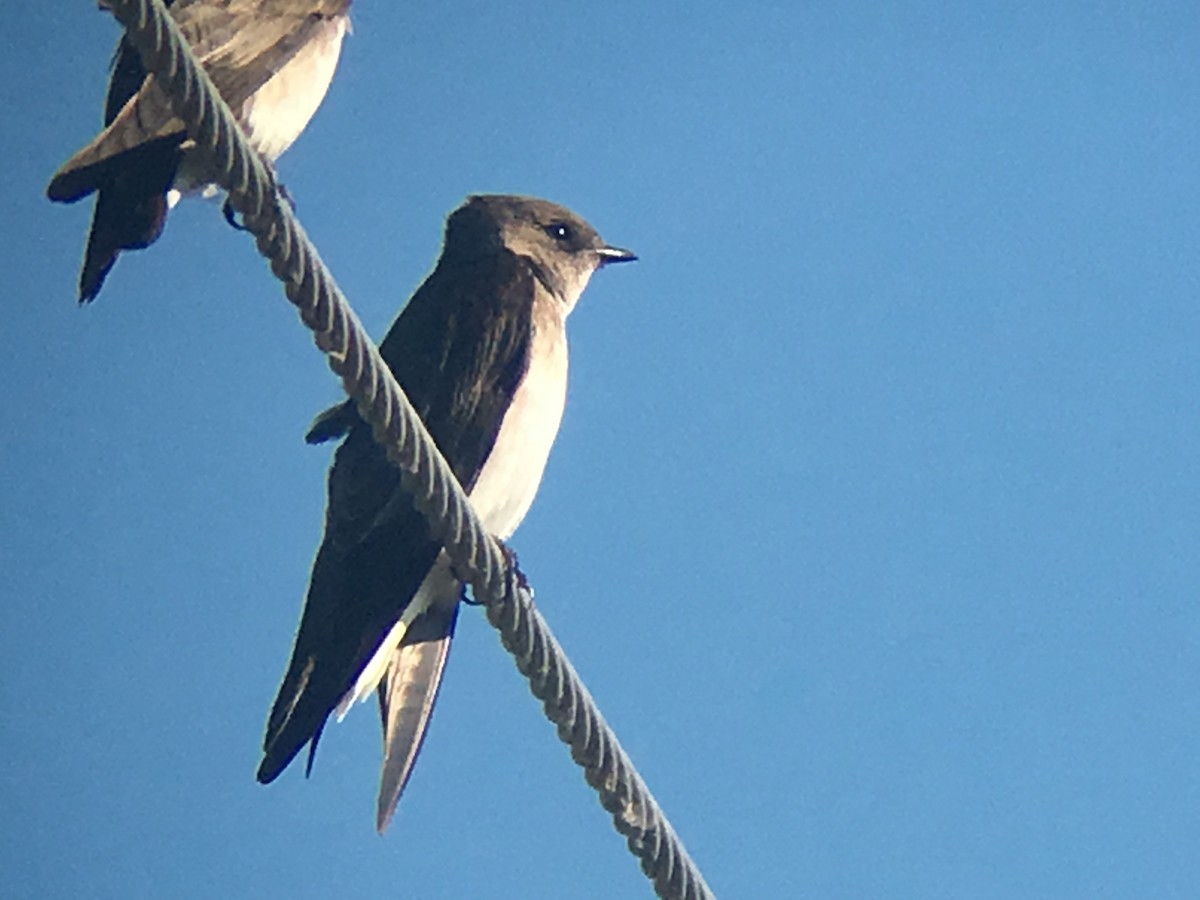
[271, 60]
[481, 351]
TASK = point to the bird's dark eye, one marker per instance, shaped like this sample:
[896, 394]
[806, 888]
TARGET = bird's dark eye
[560, 232]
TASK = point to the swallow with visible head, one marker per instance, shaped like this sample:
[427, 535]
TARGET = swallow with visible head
[481, 351]
[271, 60]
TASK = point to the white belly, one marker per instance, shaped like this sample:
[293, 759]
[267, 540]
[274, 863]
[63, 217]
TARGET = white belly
[276, 114]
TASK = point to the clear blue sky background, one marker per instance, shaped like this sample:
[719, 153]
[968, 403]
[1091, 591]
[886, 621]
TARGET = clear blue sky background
[872, 524]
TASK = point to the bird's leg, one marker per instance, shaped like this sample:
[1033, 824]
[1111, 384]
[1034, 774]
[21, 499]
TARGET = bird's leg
[466, 597]
[230, 213]
[514, 566]
[510, 557]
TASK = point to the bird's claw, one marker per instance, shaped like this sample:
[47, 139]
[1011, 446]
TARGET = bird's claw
[231, 214]
[512, 565]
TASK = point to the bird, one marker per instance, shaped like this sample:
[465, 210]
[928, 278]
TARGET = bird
[271, 60]
[481, 351]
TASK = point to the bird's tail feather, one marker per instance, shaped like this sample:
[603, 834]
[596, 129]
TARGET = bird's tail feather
[407, 694]
[120, 222]
[151, 165]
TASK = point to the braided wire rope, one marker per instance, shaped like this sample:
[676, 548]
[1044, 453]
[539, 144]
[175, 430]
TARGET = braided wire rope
[254, 192]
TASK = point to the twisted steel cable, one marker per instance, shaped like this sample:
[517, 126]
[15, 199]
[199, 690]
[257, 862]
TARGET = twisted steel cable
[254, 192]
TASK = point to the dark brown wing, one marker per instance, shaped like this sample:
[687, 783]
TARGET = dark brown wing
[459, 350]
[131, 208]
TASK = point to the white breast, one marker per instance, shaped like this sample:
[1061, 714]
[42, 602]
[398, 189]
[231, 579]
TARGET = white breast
[510, 477]
[276, 114]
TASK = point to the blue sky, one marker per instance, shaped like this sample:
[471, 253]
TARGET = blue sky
[872, 524]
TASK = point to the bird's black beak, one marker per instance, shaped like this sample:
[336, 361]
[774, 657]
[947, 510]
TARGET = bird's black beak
[615, 255]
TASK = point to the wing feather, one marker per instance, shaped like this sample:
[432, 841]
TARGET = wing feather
[459, 350]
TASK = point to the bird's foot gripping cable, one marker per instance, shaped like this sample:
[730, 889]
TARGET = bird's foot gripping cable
[513, 566]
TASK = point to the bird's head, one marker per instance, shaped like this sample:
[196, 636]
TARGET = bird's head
[563, 249]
